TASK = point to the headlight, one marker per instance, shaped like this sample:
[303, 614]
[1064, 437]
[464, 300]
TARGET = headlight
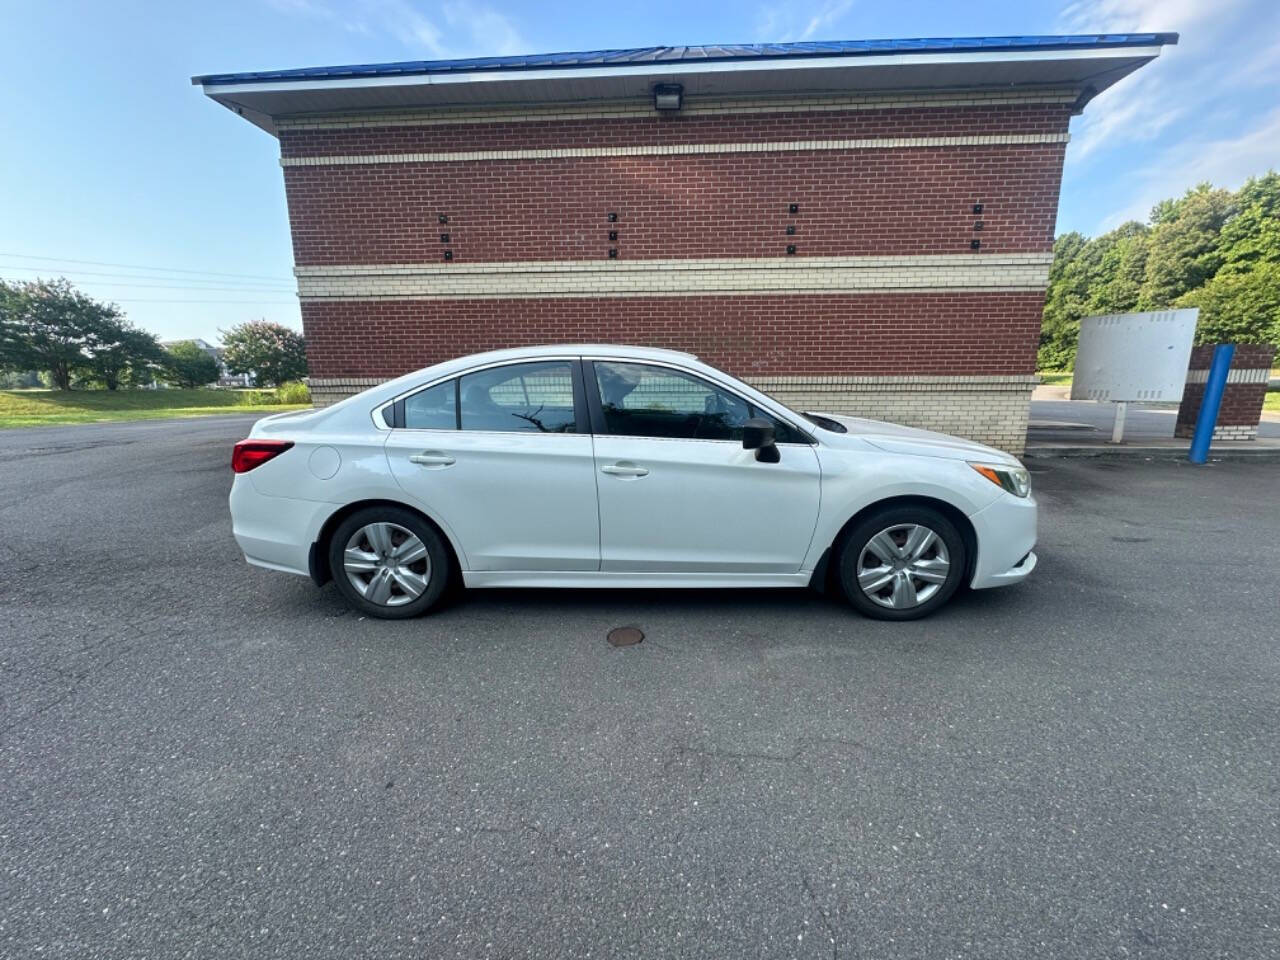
[1014, 479]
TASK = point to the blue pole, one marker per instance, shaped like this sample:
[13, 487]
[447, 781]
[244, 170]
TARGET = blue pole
[1213, 388]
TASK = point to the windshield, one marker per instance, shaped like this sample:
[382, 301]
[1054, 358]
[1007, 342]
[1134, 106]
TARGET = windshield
[802, 418]
[826, 423]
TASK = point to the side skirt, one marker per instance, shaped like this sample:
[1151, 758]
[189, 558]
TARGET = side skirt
[626, 580]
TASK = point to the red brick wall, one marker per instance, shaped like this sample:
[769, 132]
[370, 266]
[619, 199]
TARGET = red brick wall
[873, 202]
[867, 201]
[1247, 356]
[1241, 402]
[680, 128]
[854, 334]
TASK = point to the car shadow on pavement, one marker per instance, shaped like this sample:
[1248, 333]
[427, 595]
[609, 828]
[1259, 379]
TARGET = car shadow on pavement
[769, 609]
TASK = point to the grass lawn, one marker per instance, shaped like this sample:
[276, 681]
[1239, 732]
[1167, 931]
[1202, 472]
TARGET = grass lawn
[1055, 378]
[1062, 378]
[37, 408]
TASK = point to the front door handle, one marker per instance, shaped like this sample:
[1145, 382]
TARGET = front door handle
[432, 458]
[624, 469]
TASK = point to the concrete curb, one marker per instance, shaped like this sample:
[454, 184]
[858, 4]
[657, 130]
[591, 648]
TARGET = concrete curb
[1266, 454]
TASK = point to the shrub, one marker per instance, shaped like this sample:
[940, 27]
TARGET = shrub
[294, 391]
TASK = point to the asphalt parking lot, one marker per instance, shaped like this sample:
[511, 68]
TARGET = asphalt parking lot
[202, 759]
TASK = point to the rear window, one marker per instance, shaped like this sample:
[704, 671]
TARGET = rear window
[435, 408]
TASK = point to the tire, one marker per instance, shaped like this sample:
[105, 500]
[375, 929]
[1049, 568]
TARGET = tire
[909, 575]
[371, 580]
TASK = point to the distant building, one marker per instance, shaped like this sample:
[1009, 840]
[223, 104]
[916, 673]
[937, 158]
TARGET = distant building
[860, 227]
[225, 378]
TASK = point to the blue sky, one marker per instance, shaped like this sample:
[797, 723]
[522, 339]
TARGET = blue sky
[109, 155]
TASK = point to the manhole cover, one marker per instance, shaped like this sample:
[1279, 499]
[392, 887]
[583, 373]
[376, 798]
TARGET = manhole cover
[625, 636]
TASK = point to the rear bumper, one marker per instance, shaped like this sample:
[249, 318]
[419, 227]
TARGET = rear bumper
[275, 532]
[1006, 532]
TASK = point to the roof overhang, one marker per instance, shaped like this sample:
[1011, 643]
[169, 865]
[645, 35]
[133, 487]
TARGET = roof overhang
[1086, 64]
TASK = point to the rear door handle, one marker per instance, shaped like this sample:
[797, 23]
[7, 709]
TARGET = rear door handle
[624, 469]
[432, 458]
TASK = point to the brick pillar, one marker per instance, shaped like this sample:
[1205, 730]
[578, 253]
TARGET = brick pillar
[1242, 400]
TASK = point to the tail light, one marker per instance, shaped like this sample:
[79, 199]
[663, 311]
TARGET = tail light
[254, 453]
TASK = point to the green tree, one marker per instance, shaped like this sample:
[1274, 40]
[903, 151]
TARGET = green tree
[187, 365]
[1183, 251]
[19, 380]
[272, 353]
[1064, 302]
[1238, 307]
[125, 355]
[50, 326]
[1122, 268]
[1252, 236]
[1210, 249]
[1088, 277]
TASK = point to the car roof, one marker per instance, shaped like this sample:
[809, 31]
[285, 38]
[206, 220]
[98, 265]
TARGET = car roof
[576, 349]
[355, 410]
[459, 365]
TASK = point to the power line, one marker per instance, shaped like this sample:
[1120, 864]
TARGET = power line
[142, 266]
[193, 289]
[233, 284]
[280, 302]
[194, 285]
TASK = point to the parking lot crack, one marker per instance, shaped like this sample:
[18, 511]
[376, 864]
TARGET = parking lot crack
[824, 916]
[681, 750]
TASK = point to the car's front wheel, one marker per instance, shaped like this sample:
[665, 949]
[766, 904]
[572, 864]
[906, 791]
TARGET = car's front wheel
[388, 562]
[901, 563]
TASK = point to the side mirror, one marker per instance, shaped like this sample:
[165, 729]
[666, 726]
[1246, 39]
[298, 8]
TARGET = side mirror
[757, 435]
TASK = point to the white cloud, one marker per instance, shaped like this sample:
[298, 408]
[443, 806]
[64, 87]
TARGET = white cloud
[1142, 16]
[1223, 162]
[453, 28]
[487, 27]
[1225, 55]
[1218, 52]
[299, 7]
[406, 24]
[780, 23]
[318, 10]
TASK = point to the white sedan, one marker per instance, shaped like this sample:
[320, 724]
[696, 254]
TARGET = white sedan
[607, 466]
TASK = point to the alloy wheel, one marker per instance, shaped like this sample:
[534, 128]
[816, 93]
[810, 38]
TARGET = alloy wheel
[903, 566]
[387, 564]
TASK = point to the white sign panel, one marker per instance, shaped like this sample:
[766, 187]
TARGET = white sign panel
[1134, 356]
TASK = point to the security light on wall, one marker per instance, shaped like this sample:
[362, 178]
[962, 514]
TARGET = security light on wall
[667, 96]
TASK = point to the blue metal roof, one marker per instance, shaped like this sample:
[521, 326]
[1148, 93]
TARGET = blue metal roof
[723, 52]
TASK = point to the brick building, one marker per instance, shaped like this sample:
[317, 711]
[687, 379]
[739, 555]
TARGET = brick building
[861, 227]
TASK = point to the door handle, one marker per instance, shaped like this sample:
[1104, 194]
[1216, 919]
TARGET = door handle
[625, 470]
[432, 458]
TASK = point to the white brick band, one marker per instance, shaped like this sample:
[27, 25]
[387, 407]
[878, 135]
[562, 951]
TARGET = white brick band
[673, 149]
[991, 410]
[691, 277]
[693, 106]
[908, 383]
[1243, 375]
[1236, 432]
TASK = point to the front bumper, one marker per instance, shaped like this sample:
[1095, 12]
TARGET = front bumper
[1006, 534]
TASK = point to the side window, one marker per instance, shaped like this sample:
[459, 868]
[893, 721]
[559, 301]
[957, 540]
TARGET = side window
[520, 396]
[639, 400]
[435, 408]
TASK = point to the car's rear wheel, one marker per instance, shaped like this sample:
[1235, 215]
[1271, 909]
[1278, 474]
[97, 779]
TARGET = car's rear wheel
[388, 562]
[901, 563]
